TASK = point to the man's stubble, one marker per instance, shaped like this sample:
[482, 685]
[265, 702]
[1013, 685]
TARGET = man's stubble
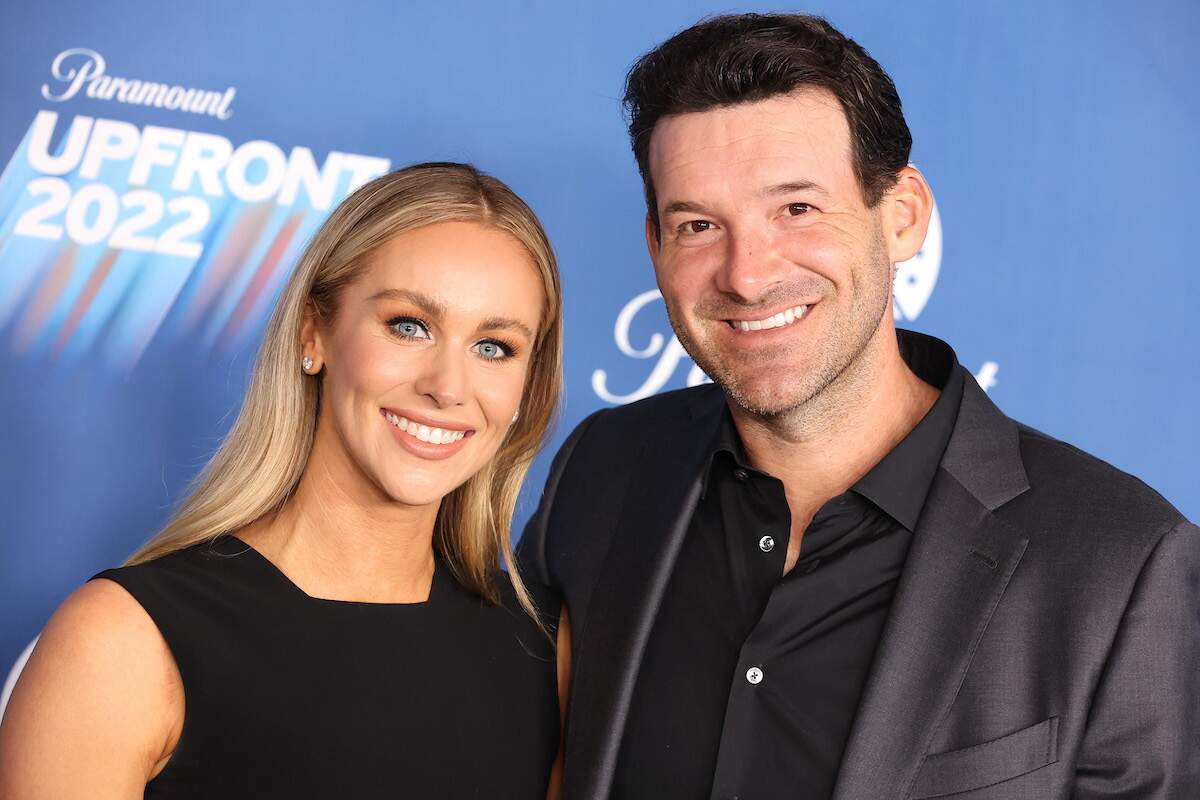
[827, 388]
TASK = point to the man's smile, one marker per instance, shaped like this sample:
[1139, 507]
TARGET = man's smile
[779, 319]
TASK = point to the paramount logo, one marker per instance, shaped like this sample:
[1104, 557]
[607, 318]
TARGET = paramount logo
[80, 69]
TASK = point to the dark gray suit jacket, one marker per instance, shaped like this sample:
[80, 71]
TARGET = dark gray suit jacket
[1044, 639]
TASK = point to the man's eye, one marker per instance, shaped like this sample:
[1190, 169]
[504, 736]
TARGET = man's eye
[493, 351]
[696, 226]
[796, 209]
[409, 328]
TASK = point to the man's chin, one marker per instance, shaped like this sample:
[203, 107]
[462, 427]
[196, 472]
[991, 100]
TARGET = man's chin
[763, 398]
[767, 387]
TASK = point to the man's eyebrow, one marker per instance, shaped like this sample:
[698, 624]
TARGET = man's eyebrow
[429, 305]
[794, 186]
[688, 207]
[682, 206]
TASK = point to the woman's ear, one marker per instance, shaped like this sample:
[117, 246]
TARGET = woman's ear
[312, 349]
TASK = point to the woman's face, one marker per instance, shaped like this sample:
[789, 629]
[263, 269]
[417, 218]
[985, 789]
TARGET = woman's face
[425, 361]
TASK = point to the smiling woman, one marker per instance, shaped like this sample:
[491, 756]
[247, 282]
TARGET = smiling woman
[310, 622]
[403, 226]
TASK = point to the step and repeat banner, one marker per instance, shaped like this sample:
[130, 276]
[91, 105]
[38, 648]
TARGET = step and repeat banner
[163, 167]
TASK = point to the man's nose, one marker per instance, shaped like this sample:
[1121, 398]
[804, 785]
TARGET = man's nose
[752, 266]
[443, 377]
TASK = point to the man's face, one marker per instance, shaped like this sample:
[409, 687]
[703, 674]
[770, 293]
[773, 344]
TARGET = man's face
[775, 273]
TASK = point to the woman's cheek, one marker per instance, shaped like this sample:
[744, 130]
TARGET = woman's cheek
[500, 395]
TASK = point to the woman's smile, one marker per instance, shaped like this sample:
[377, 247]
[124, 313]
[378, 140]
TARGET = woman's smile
[423, 440]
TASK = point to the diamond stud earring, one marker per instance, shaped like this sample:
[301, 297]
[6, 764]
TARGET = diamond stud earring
[516, 414]
[307, 363]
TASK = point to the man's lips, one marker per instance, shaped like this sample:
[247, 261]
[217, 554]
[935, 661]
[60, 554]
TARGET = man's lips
[779, 319]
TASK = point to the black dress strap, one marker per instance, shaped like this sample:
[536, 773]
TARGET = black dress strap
[290, 696]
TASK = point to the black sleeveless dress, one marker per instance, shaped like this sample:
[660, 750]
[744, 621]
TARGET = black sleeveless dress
[289, 696]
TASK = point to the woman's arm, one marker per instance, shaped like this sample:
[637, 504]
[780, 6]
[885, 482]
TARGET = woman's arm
[99, 707]
[563, 649]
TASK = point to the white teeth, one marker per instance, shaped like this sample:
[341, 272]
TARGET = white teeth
[786, 317]
[424, 432]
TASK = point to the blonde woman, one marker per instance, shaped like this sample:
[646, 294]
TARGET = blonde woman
[325, 616]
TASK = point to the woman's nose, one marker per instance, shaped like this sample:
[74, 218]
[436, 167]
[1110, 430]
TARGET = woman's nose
[443, 379]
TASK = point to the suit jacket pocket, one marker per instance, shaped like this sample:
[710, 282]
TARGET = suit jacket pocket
[989, 763]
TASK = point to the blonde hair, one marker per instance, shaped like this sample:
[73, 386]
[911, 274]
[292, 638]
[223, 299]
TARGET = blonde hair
[260, 461]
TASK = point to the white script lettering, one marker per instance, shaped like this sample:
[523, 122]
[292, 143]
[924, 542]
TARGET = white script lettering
[74, 68]
[669, 356]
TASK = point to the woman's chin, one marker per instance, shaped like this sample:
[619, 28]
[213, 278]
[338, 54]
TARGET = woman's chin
[418, 493]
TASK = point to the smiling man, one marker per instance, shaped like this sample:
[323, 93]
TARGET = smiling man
[841, 571]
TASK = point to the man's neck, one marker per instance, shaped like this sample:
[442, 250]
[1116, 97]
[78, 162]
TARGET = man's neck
[821, 449]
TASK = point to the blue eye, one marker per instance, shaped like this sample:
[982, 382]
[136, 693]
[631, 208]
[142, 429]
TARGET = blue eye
[493, 350]
[409, 328]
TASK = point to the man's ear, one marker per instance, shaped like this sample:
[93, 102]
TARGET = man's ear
[907, 207]
[311, 343]
[652, 240]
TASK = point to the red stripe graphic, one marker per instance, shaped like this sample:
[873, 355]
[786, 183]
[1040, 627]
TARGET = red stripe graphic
[48, 293]
[262, 277]
[246, 231]
[84, 301]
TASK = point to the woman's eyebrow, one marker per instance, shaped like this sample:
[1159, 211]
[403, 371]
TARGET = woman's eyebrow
[437, 309]
[430, 305]
[506, 323]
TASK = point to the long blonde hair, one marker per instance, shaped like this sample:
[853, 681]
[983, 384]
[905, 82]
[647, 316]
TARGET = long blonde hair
[260, 461]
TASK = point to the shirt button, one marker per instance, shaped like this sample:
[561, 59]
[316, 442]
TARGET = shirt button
[754, 675]
[766, 544]
[740, 475]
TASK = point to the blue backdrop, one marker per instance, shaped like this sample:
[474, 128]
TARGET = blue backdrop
[165, 164]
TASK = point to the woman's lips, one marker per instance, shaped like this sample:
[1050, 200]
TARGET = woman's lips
[426, 441]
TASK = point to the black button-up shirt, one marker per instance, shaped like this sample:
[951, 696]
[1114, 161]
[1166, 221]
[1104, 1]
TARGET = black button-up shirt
[751, 678]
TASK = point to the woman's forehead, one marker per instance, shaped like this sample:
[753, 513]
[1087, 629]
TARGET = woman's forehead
[457, 266]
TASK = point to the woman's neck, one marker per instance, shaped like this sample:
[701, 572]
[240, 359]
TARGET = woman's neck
[338, 540]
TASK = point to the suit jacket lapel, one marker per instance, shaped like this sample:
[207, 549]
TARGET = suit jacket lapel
[657, 511]
[959, 565]
[961, 560]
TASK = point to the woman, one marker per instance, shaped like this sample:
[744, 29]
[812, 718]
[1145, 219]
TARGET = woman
[325, 616]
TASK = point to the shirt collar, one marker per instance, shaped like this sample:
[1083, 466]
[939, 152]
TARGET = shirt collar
[726, 447]
[899, 483]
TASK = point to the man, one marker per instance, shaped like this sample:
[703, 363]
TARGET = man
[841, 571]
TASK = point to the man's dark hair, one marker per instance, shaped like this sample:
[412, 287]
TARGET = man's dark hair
[743, 58]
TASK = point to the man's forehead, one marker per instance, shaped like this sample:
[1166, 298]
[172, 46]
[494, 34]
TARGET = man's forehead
[806, 129]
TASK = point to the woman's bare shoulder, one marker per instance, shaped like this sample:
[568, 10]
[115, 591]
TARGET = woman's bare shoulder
[100, 693]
